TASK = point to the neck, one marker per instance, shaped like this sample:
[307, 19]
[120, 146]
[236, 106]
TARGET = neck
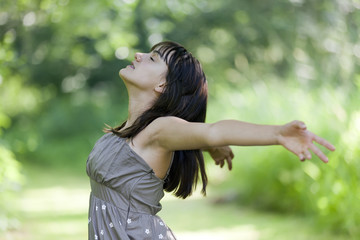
[138, 104]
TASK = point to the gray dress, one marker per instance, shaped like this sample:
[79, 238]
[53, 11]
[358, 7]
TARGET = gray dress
[125, 194]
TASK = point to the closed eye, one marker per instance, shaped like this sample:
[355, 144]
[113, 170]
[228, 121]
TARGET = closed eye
[152, 59]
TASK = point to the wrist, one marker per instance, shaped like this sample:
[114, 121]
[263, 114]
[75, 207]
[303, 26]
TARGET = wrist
[277, 134]
[209, 149]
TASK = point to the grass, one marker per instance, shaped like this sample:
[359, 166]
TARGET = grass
[204, 219]
[53, 205]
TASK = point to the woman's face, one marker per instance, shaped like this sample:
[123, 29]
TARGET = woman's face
[147, 71]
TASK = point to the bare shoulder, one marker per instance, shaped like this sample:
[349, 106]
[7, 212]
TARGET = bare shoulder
[166, 121]
[148, 137]
[160, 124]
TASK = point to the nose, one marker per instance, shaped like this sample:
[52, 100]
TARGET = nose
[138, 57]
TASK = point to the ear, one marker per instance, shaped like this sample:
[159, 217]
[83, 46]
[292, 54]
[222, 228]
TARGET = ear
[160, 87]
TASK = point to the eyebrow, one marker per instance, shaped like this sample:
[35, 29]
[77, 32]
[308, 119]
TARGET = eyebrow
[157, 53]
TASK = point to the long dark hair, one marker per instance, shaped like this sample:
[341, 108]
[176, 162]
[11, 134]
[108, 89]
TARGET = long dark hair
[184, 96]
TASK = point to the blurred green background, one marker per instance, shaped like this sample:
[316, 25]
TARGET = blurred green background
[266, 61]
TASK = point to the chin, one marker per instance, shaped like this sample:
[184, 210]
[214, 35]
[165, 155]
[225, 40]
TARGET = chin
[121, 72]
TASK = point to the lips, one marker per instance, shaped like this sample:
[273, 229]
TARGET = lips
[132, 65]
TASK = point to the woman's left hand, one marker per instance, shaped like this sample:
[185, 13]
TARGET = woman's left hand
[222, 154]
[295, 137]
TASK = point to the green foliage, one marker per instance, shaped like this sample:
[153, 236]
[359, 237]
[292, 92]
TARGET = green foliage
[273, 179]
[266, 62]
[10, 182]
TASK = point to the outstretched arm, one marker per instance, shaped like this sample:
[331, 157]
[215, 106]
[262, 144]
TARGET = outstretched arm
[294, 136]
[176, 134]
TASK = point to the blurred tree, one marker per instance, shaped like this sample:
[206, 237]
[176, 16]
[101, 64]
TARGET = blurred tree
[10, 179]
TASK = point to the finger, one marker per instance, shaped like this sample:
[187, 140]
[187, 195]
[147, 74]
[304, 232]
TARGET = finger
[323, 142]
[319, 153]
[222, 163]
[231, 154]
[307, 154]
[301, 157]
[229, 162]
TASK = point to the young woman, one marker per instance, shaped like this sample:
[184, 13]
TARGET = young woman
[159, 146]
